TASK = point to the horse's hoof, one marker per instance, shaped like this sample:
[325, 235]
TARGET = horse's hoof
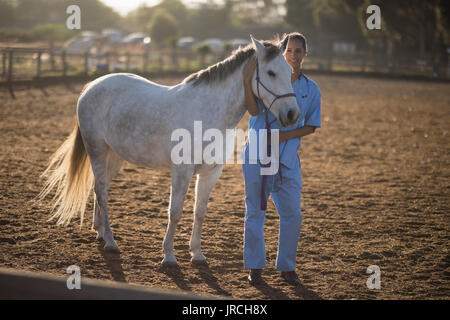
[111, 248]
[169, 264]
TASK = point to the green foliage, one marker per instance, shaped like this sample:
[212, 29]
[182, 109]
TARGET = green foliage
[408, 25]
[95, 15]
[227, 47]
[15, 34]
[203, 49]
[6, 13]
[172, 43]
[163, 27]
[50, 32]
[175, 7]
[140, 17]
[413, 24]
[217, 20]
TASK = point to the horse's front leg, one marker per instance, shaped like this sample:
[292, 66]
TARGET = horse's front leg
[181, 176]
[203, 187]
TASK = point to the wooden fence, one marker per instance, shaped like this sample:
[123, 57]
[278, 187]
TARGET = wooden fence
[20, 64]
[26, 64]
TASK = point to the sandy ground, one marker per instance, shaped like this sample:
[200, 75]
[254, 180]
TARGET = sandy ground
[376, 184]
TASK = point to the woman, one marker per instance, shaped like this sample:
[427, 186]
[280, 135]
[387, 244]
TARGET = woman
[285, 186]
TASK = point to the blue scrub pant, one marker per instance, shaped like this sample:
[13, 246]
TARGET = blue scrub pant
[286, 195]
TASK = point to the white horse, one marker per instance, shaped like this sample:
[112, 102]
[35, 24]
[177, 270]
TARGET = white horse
[126, 117]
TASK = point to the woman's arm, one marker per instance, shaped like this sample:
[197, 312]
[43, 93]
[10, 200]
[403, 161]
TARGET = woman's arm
[312, 120]
[296, 133]
[250, 100]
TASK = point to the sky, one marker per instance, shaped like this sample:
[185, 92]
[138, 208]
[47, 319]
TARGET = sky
[123, 7]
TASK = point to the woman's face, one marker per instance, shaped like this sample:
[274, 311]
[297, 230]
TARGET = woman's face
[294, 53]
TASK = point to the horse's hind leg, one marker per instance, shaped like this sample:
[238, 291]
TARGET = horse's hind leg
[181, 176]
[114, 163]
[97, 223]
[105, 165]
[203, 187]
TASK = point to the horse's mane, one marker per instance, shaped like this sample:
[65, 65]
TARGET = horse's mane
[223, 69]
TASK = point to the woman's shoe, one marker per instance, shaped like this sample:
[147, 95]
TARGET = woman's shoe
[290, 277]
[254, 277]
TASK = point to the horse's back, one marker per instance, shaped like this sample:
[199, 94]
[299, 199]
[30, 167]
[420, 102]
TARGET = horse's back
[123, 83]
[107, 94]
[127, 112]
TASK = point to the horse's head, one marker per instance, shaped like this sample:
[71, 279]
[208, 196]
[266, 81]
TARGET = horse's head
[272, 84]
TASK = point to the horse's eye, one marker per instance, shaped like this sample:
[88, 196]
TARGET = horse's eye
[271, 73]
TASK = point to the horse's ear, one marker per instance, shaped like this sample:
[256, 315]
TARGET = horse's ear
[259, 47]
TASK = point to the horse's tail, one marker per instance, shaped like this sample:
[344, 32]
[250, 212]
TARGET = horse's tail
[69, 171]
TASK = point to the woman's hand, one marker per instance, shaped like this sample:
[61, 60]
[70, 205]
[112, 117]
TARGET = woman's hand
[249, 70]
[296, 133]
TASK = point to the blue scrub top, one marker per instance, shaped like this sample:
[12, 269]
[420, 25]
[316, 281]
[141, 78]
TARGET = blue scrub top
[309, 100]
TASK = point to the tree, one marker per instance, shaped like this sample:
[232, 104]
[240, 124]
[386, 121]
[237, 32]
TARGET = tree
[51, 33]
[174, 7]
[208, 20]
[203, 50]
[95, 14]
[140, 17]
[299, 14]
[6, 13]
[163, 27]
[407, 24]
[173, 45]
[256, 12]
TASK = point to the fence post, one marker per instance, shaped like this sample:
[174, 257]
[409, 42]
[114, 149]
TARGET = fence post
[38, 69]
[10, 66]
[161, 60]
[52, 56]
[10, 73]
[3, 64]
[64, 62]
[330, 62]
[145, 59]
[108, 60]
[86, 62]
[364, 63]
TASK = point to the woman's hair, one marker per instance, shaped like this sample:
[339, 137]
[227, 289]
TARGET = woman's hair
[293, 35]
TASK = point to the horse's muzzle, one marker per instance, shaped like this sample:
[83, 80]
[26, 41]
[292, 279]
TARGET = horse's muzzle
[289, 117]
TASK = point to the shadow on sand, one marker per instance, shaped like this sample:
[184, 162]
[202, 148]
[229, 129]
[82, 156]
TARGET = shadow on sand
[113, 262]
[208, 277]
[175, 273]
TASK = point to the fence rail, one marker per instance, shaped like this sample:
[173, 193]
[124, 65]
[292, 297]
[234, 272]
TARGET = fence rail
[19, 64]
[22, 64]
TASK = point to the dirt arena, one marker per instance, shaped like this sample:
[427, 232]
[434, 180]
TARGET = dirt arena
[376, 191]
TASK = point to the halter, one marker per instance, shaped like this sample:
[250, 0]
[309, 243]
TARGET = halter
[269, 150]
[258, 82]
